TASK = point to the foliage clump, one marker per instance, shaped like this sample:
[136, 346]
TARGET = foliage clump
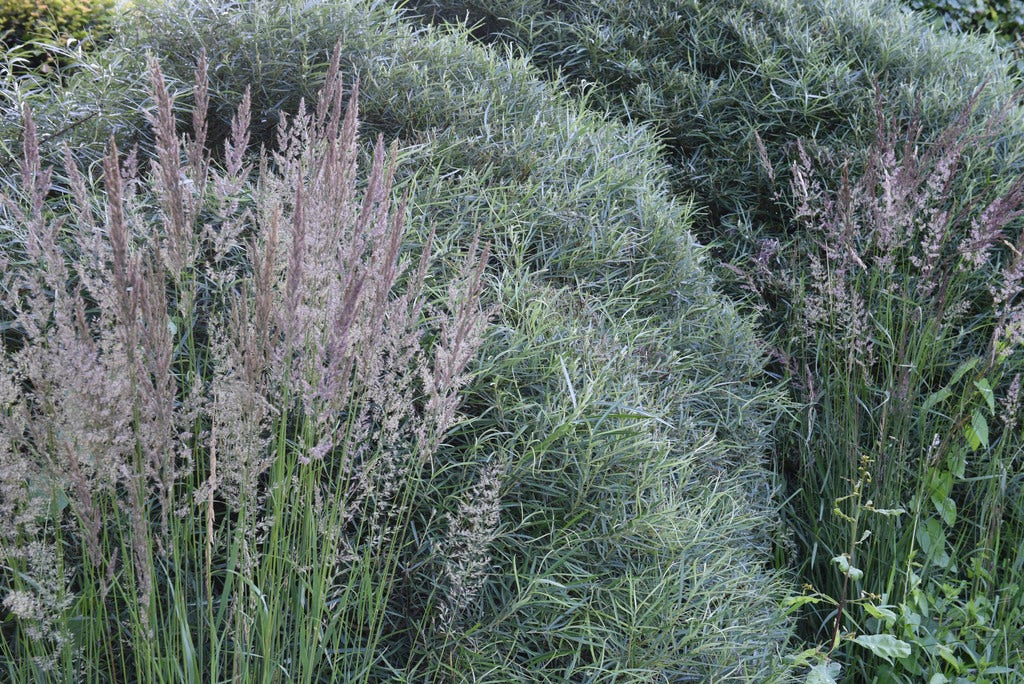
[714, 79]
[1002, 18]
[43, 20]
[908, 331]
[223, 389]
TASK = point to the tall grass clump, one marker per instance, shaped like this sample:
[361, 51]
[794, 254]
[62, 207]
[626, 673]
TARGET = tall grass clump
[907, 347]
[604, 511]
[225, 389]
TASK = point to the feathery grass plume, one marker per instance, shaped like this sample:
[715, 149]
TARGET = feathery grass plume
[914, 278]
[465, 548]
[576, 211]
[198, 370]
[176, 199]
[40, 602]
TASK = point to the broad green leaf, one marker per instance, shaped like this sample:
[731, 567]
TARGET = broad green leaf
[932, 540]
[946, 653]
[986, 391]
[935, 398]
[881, 612]
[794, 602]
[884, 646]
[964, 368]
[957, 462]
[938, 678]
[940, 483]
[977, 431]
[998, 670]
[823, 673]
[843, 563]
[945, 507]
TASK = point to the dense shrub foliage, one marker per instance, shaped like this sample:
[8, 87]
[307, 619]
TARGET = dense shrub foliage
[1002, 18]
[42, 20]
[743, 92]
[714, 78]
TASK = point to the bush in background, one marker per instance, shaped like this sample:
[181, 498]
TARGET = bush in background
[28, 21]
[714, 78]
[1002, 18]
[41, 31]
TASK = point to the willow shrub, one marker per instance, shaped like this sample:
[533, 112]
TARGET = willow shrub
[739, 92]
[1002, 19]
[617, 414]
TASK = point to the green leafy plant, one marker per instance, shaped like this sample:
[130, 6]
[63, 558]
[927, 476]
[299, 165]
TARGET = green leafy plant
[1002, 18]
[731, 87]
[44, 31]
[714, 78]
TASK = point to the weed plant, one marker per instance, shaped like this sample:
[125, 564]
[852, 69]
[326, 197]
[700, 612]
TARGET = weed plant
[603, 511]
